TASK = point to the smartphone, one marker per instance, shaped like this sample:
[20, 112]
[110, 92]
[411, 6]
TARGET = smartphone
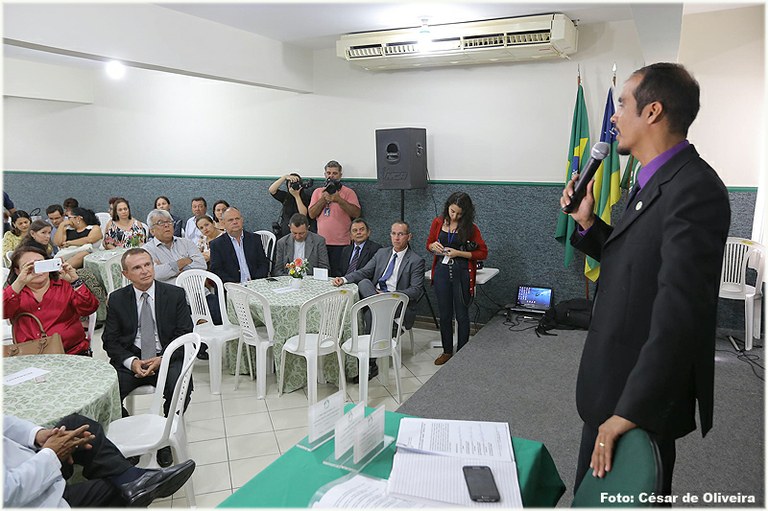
[48, 265]
[271, 279]
[480, 483]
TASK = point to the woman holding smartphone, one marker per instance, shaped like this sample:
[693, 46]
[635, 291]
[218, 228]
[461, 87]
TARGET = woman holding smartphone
[456, 243]
[58, 299]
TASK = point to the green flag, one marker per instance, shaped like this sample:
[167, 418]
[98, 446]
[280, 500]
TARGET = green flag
[579, 146]
[606, 189]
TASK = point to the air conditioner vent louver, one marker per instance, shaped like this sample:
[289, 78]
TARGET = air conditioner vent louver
[529, 38]
[485, 41]
[476, 42]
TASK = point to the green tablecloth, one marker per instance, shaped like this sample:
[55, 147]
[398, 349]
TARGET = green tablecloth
[285, 318]
[293, 479]
[96, 262]
[74, 384]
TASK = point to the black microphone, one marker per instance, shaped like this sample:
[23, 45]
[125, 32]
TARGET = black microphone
[597, 155]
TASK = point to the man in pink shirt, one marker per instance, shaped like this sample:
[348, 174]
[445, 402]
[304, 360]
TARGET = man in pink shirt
[334, 206]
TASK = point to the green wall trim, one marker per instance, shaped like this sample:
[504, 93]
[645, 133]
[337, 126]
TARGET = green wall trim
[351, 179]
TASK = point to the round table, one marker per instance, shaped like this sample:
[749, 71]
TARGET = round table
[284, 307]
[74, 384]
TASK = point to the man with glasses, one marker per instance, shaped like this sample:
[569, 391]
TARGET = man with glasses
[171, 255]
[395, 268]
[55, 215]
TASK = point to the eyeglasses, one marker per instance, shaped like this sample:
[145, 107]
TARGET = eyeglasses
[163, 223]
[399, 234]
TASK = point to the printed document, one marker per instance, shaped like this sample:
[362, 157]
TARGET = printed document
[471, 439]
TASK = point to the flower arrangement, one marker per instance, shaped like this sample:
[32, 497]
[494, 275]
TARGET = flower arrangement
[297, 269]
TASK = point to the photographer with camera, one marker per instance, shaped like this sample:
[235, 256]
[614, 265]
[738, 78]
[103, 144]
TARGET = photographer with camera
[334, 206]
[295, 200]
[456, 243]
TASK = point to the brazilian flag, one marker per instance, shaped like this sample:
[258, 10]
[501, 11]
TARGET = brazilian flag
[578, 152]
[607, 179]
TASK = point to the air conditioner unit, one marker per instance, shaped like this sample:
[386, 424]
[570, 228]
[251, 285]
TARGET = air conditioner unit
[476, 42]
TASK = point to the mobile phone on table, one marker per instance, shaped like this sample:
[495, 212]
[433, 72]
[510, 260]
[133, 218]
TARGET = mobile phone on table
[480, 483]
[48, 265]
[271, 279]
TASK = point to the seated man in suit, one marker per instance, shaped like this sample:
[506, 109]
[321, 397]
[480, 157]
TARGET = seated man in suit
[395, 268]
[361, 250]
[300, 244]
[143, 318]
[38, 461]
[238, 256]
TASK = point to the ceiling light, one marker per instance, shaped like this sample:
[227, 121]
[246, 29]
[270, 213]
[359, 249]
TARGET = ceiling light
[115, 69]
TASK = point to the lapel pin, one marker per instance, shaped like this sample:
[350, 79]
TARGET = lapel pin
[639, 205]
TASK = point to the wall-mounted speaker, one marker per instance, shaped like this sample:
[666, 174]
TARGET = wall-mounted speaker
[401, 158]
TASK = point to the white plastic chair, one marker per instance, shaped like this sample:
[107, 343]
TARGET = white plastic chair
[269, 242]
[261, 338]
[110, 284]
[740, 256]
[142, 435]
[214, 336]
[104, 219]
[7, 258]
[333, 307]
[144, 390]
[380, 342]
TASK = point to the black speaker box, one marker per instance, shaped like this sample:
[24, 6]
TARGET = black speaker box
[401, 158]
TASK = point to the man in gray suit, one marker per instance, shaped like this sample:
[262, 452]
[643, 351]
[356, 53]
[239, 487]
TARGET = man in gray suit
[300, 244]
[395, 268]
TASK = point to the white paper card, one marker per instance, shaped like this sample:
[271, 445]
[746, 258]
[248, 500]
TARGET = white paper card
[475, 439]
[362, 492]
[345, 430]
[283, 290]
[30, 373]
[322, 416]
[320, 273]
[369, 433]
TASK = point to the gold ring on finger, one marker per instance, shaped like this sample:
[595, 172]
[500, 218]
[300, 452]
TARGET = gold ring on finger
[601, 444]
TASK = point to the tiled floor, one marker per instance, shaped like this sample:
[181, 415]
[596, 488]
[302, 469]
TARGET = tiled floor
[233, 436]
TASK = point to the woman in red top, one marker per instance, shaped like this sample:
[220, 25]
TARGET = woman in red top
[58, 299]
[457, 244]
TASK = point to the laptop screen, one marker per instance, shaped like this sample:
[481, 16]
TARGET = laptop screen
[536, 298]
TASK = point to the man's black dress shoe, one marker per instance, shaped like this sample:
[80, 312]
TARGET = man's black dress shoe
[373, 372]
[165, 457]
[156, 484]
[202, 355]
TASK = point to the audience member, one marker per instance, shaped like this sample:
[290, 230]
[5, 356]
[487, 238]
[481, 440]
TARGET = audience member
[111, 205]
[79, 228]
[210, 233]
[295, 200]
[218, 210]
[143, 318]
[55, 215]
[39, 235]
[69, 204]
[238, 256]
[20, 222]
[199, 207]
[57, 299]
[361, 250]
[171, 255]
[456, 243]
[164, 203]
[300, 244]
[334, 206]
[395, 268]
[37, 461]
[124, 231]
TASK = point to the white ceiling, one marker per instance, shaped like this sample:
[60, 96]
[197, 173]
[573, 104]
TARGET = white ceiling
[317, 25]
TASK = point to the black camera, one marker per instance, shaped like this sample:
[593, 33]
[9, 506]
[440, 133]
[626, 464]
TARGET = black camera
[469, 246]
[302, 184]
[332, 186]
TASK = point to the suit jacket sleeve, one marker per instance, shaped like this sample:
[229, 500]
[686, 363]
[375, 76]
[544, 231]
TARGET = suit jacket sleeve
[119, 330]
[218, 258]
[591, 242]
[180, 321]
[322, 253]
[258, 264]
[368, 271]
[416, 279]
[280, 257]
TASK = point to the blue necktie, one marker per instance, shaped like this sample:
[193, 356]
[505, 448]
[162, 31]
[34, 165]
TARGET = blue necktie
[355, 260]
[387, 274]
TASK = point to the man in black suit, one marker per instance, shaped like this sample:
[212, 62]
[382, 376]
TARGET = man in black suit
[238, 256]
[649, 353]
[135, 313]
[361, 250]
[395, 268]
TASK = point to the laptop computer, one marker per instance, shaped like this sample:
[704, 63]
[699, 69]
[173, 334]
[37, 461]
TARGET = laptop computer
[532, 300]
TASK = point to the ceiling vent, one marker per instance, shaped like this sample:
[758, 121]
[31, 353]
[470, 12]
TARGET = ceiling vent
[477, 42]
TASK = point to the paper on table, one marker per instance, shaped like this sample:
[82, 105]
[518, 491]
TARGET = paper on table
[360, 492]
[283, 290]
[320, 274]
[475, 439]
[416, 475]
[30, 373]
